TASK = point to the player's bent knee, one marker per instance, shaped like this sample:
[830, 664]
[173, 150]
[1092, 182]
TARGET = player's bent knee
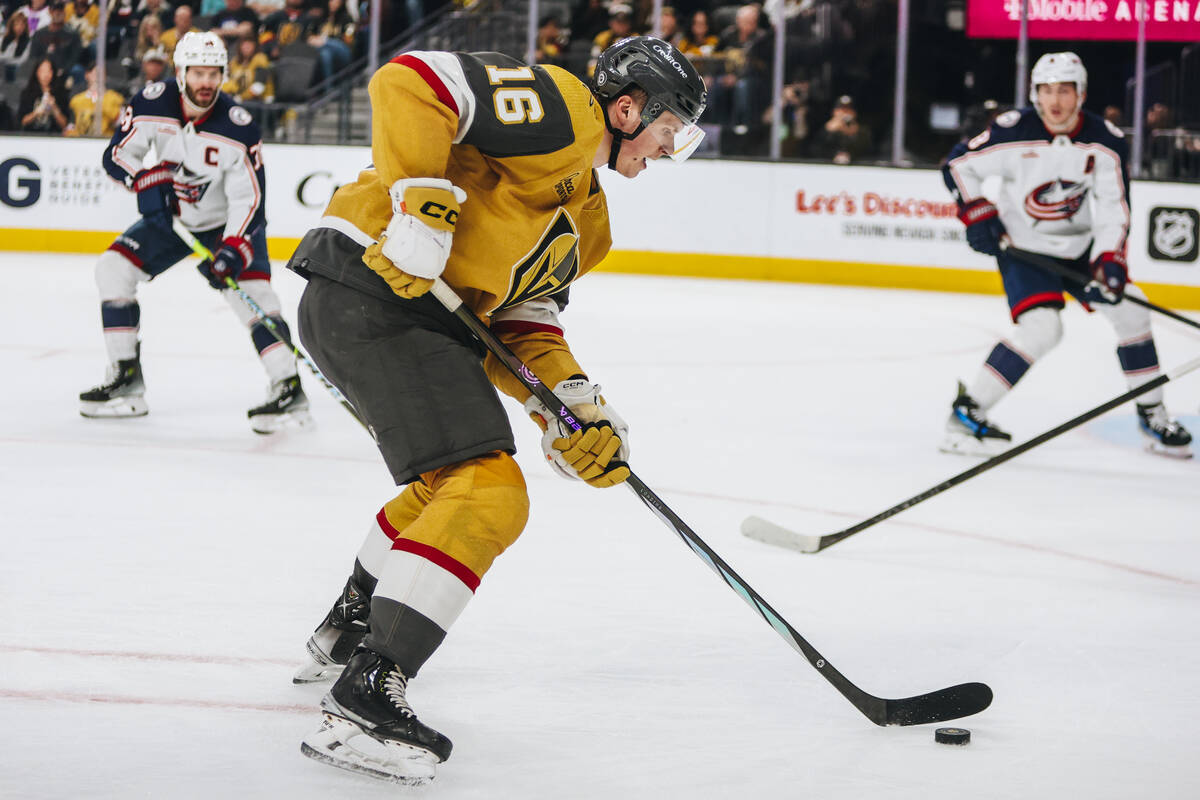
[1038, 331]
[1129, 320]
[116, 277]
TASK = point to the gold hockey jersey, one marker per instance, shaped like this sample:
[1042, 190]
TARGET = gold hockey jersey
[520, 141]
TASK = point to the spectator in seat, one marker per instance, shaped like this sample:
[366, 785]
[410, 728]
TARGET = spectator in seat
[83, 108]
[183, 24]
[234, 21]
[620, 25]
[846, 138]
[740, 95]
[14, 46]
[333, 36]
[60, 44]
[148, 37]
[247, 69]
[43, 105]
[153, 69]
[668, 23]
[37, 15]
[155, 8]
[286, 26]
[551, 44]
[83, 17]
[699, 39]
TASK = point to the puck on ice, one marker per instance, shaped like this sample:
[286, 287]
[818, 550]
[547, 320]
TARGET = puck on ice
[952, 736]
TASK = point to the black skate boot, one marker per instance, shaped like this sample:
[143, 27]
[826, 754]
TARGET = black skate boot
[121, 395]
[334, 640]
[369, 727]
[286, 402]
[1164, 435]
[969, 432]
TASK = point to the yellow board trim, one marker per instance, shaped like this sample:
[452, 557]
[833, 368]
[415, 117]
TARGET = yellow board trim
[692, 265]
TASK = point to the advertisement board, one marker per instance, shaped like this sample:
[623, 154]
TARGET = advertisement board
[822, 223]
[1095, 20]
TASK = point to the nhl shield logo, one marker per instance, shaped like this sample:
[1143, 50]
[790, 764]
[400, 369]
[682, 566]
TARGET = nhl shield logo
[1173, 233]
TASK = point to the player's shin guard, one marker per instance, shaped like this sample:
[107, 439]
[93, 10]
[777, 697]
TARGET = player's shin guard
[445, 531]
[334, 640]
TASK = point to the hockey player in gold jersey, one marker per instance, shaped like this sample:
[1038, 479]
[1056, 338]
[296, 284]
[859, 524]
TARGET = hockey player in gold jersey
[484, 174]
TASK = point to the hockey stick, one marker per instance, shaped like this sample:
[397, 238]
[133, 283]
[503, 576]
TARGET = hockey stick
[764, 531]
[1050, 265]
[944, 704]
[206, 255]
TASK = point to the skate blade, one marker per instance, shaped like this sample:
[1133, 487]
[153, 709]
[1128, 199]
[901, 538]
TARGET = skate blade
[132, 406]
[340, 743]
[964, 444]
[1182, 452]
[267, 424]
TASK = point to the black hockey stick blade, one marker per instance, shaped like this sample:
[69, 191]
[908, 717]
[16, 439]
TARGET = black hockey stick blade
[952, 703]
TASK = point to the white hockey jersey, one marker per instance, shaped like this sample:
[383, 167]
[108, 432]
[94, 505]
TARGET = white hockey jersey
[219, 180]
[1057, 194]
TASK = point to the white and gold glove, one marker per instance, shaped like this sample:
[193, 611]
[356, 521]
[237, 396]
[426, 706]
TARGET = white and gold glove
[416, 243]
[596, 453]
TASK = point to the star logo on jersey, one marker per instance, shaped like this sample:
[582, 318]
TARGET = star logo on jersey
[550, 265]
[1055, 200]
[190, 187]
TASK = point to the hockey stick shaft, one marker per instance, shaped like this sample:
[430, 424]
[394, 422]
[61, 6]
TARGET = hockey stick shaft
[205, 254]
[949, 703]
[1013, 452]
[1050, 265]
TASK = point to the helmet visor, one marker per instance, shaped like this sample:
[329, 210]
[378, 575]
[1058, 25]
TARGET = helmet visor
[686, 142]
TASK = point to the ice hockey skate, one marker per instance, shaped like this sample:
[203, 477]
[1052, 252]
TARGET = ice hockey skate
[334, 640]
[969, 433]
[1164, 436]
[121, 395]
[370, 728]
[286, 405]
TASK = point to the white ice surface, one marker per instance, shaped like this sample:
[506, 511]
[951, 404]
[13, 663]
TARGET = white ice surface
[158, 577]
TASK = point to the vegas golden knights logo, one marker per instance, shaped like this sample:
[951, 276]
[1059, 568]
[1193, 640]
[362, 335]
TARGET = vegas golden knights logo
[551, 265]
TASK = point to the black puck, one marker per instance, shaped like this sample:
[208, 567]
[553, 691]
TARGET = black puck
[952, 736]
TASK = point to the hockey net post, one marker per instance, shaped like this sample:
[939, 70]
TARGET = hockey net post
[944, 704]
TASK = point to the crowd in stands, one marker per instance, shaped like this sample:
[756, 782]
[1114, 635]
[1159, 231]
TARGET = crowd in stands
[48, 53]
[733, 48]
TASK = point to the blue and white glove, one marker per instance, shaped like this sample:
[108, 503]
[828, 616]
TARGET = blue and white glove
[1109, 276]
[984, 228]
[231, 258]
[156, 198]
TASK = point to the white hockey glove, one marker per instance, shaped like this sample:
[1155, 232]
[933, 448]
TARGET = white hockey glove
[416, 243]
[596, 453]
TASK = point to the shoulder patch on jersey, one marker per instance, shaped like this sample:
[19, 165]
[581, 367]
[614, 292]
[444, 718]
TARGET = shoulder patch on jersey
[239, 116]
[154, 90]
[1114, 130]
[1008, 118]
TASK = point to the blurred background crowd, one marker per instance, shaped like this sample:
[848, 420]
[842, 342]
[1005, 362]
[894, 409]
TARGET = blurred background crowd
[297, 59]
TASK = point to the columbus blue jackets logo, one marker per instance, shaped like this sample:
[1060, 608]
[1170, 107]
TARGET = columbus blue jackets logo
[190, 186]
[1055, 200]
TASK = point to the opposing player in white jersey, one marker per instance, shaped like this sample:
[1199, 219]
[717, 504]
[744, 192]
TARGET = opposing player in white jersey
[1064, 194]
[209, 173]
